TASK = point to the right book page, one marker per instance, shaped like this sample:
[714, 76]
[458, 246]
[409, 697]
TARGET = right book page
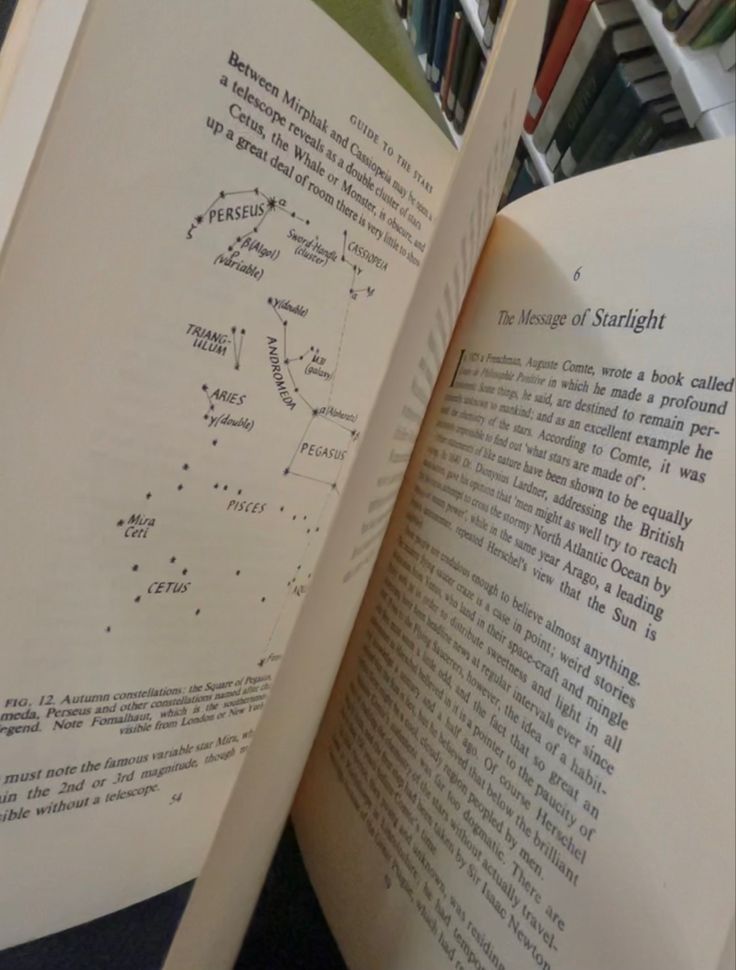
[528, 757]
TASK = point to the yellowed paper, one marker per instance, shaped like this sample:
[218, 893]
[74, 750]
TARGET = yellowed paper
[528, 758]
[222, 901]
[199, 300]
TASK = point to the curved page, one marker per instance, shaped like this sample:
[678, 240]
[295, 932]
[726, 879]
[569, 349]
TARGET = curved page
[199, 299]
[223, 898]
[528, 758]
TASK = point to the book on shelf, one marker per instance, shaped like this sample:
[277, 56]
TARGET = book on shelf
[433, 22]
[656, 119]
[675, 12]
[495, 10]
[680, 137]
[428, 11]
[442, 42]
[319, 481]
[599, 22]
[463, 47]
[514, 169]
[564, 38]
[447, 72]
[721, 25]
[631, 85]
[473, 67]
[416, 30]
[414, 18]
[554, 15]
[701, 23]
[696, 19]
[454, 58]
[526, 180]
[615, 45]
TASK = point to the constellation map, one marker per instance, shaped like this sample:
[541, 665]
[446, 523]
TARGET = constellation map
[310, 349]
[271, 205]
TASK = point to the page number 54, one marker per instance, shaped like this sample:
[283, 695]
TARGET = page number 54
[578, 273]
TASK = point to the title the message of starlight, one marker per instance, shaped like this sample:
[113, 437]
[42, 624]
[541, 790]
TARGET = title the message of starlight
[633, 320]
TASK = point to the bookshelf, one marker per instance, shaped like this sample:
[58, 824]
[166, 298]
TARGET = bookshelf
[422, 58]
[705, 91]
[470, 9]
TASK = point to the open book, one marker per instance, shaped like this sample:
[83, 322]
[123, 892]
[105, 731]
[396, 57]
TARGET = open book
[275, 402]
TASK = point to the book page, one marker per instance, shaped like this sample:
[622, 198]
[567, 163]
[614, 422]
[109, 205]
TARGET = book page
[200, 295]
[528, 758]
[223, 898]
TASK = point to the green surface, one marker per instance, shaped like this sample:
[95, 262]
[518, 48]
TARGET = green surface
[376, 26]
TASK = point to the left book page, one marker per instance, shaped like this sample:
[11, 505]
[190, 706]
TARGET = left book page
[199, 298]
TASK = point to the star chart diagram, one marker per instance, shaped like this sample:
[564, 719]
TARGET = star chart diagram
[254, 208]
[303, 354]
[322, 411]
[271, 206]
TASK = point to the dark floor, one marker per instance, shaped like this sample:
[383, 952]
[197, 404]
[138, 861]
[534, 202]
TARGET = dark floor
[287, 932]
